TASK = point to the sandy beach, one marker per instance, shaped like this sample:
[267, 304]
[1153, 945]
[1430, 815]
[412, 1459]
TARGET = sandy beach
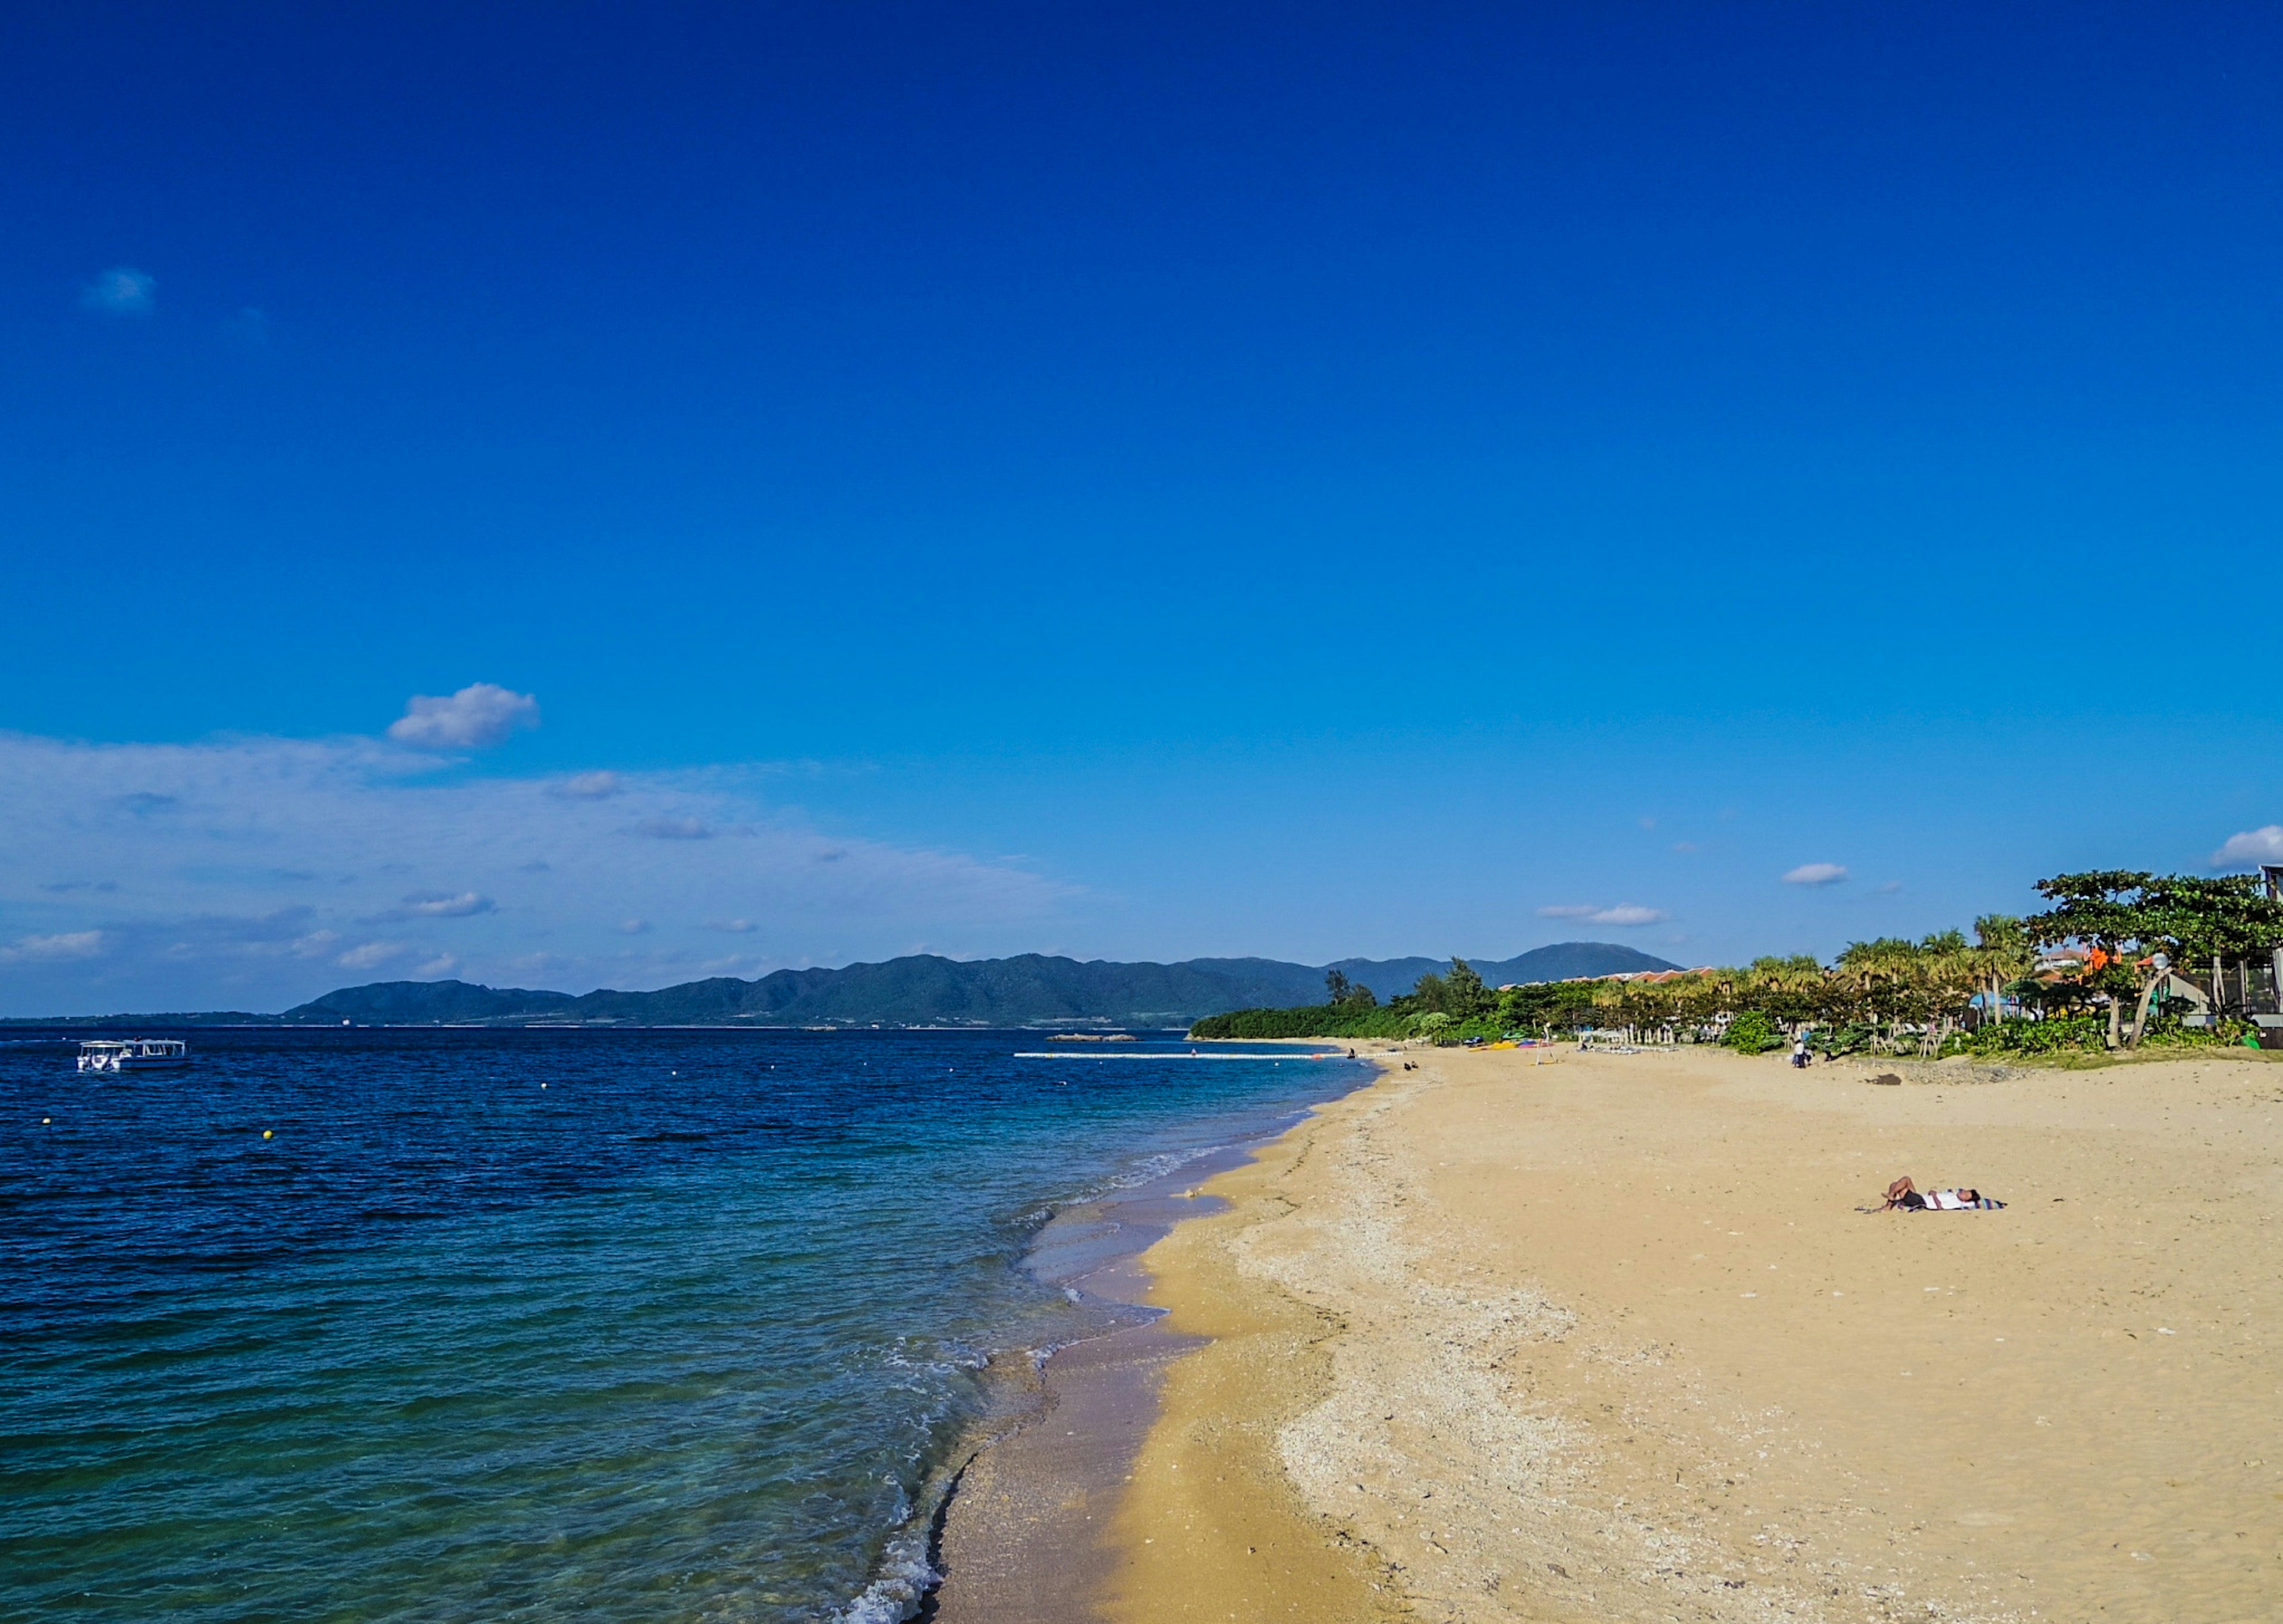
[1550, 1336]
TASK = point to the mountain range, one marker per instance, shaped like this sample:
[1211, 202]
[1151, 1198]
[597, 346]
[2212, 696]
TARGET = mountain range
[924, 990]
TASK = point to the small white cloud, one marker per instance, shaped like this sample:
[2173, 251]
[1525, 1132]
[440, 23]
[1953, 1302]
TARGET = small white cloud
[1684, 845]
[1593, 914]
[1889, 888]
[632, 926]
[436, 968]
[1816, 874]
[73, 945]
[370, 954]
[1627, 914]
[316, 944]
[735, 927]
[441, 905]
[590, 785]
[674, 828]
[120, 290]
[478, 717]
[1648, 823]
[2252, 846]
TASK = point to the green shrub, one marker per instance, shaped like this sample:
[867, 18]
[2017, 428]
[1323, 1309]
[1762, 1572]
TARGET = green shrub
[2040, 1037]
[2227, 1034]
[1752, 1033]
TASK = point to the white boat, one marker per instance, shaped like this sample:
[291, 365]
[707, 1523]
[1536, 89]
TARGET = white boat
[133, 1053]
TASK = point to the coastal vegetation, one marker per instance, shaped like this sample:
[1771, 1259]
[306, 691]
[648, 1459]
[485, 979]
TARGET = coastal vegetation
[2120, 959]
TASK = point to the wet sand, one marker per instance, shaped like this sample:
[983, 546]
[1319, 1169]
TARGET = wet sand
[1607, 1339]
[1023, 1539]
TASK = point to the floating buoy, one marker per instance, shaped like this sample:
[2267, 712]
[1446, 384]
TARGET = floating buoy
[44, 1121]
[543, 1086]
[265, 1133]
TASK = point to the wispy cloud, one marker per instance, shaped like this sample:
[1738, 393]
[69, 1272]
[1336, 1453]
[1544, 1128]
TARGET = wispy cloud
[1625, 913]
[590, 785]
[441, 905]
[674, 828]
[2262, 845]
[735, 927]
[478, 717]
[1816, 874]
[120, 290]
[203, 843]
[67, 945]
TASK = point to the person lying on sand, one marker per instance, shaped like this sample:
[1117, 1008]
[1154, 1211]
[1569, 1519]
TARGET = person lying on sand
[1903, 1194]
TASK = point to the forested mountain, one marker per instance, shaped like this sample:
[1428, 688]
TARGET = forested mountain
[927, 991]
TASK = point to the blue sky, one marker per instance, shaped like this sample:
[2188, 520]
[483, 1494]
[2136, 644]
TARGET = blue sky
[1135, 482]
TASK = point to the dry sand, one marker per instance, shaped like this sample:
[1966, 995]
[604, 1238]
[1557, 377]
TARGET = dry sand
[1606, 1339]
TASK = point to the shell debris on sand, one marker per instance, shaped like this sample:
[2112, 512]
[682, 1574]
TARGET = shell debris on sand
[1535, 1390]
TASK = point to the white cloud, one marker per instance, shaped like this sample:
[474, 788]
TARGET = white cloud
[436, 968]
[1628, 913]
[2252, 846]
[211, 847]
[440, 905]
[478, 717]
[735, 927]
[120, 290]
[1816, 874]
[633, 926]
[70, 945]
[1593, 914]
[590, 785]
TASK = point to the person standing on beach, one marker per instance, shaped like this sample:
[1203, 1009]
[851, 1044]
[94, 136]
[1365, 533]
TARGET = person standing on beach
[1799, 1053]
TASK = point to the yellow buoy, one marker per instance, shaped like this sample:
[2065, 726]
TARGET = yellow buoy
[265, 1133]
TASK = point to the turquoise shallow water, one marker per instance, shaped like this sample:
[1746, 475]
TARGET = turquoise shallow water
[686, 1332]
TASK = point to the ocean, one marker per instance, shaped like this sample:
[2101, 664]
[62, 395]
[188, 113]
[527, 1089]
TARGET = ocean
[664, 1324]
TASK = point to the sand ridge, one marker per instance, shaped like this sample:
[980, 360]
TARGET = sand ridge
[1607, 1339]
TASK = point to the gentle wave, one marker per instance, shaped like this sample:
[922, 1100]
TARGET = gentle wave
[695, 1332]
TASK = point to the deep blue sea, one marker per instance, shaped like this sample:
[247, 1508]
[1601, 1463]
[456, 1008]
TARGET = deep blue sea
[535, 1324]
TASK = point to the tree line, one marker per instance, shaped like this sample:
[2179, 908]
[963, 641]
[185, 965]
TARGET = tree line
[2133, 941]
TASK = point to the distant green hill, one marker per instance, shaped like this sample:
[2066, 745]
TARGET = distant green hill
[927, 991]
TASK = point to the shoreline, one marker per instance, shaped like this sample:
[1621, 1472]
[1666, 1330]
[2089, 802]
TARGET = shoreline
[1518, 1336]
[1019, 1537]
